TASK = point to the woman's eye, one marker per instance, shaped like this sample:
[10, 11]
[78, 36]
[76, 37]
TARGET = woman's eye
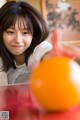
[26, 32]
[10, 32]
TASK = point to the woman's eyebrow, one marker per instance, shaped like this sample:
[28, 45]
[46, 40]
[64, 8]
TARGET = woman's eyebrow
[19, 28]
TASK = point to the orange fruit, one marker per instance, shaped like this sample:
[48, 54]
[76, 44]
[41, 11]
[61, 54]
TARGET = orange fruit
[55, 83]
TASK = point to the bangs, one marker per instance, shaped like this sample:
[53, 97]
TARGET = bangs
[22, 20]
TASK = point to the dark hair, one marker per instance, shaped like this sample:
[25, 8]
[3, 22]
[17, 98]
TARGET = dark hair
[9, 13]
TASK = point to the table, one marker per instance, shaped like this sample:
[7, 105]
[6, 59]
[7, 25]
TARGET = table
[17, 102]
[73, 114]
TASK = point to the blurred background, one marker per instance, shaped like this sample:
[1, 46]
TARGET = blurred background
[35, 3]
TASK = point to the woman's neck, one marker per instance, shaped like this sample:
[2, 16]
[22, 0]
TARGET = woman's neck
[19, 59]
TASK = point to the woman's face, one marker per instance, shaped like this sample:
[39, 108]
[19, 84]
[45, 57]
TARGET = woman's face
[17, 40]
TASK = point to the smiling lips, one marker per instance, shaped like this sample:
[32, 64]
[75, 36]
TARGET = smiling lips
[18, 46]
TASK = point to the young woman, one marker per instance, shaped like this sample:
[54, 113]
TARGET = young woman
[23, 32]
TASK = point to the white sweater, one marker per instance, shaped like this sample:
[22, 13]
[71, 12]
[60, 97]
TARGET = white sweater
[38, 53]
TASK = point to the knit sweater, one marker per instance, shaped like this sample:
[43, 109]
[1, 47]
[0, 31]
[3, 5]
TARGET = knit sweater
[22, 73]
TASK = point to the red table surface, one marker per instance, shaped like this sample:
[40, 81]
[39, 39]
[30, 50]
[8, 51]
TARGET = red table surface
[22, 106]
[73, 114]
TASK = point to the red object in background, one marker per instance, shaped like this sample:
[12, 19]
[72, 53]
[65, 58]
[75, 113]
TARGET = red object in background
[73, 114]
[58, 47]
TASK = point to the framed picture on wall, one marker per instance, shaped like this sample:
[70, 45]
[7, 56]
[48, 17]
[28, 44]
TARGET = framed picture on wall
[63, 14]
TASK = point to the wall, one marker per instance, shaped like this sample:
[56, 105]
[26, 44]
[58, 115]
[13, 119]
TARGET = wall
[35, 3]
[2, 2]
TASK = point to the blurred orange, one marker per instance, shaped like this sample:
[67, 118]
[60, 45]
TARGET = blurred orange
[55, 83]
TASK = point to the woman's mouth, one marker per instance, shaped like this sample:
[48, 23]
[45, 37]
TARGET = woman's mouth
[18, 46]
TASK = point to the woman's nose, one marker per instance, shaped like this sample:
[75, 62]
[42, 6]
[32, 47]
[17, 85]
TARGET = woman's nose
[18, 38]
